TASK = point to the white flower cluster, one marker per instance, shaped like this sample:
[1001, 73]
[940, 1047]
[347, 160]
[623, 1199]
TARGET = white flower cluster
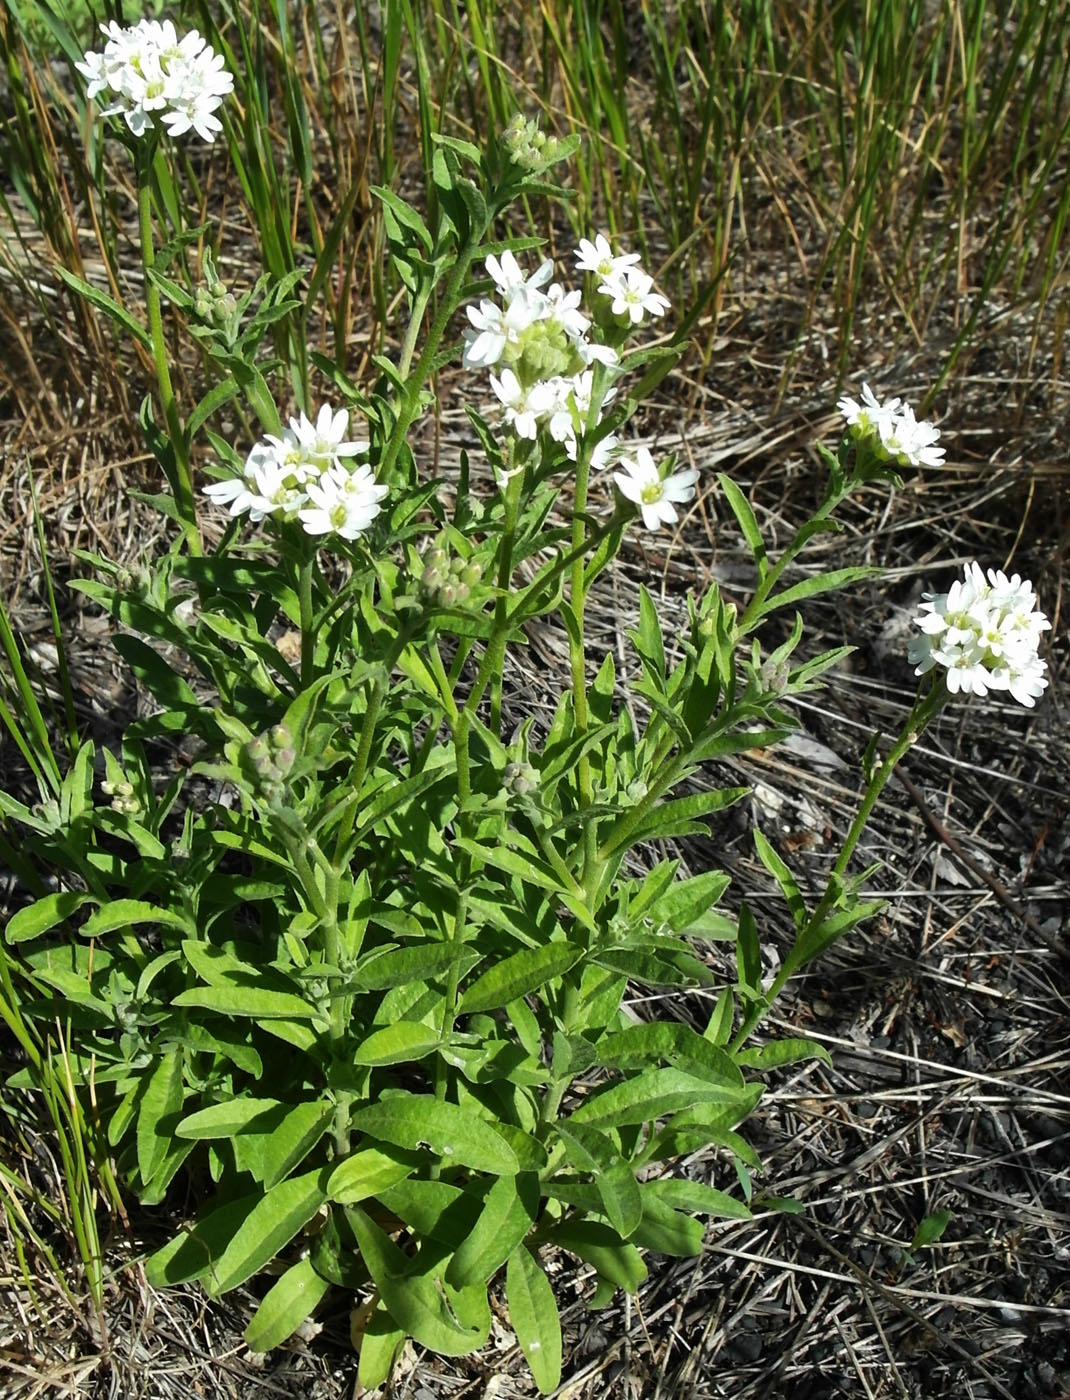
[302, 475]
[151, 75]
[539, 342]
[985, 632]
[893, 429]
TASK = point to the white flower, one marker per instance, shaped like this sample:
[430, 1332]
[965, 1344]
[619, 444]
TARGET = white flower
[597, 257]
[591, 353]
[564, 309]
[911, 443]
[524, 408]
[574, 400]
[151, 73]
[870, 414]
[632, 295]
[270, 484]
[508, 274]
[641, 482]
[892, 425]
[342, 502]
[496, 327]
[324, 441]
[985, 633]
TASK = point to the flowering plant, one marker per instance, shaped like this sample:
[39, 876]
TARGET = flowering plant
[360, 962]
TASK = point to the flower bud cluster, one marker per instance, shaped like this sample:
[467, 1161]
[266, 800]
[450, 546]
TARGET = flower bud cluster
[528, 148]
[891, 430]
[271, 756]
[306, 474]
[151, 75]
[215, 305]
[985, 633]
[448, 582]
[520, 778]
[122, 797]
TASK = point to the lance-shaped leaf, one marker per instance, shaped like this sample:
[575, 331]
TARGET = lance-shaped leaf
[519, 974]
[650, 1095]
[451, 1132]
[428, 1309]
[369, 1172]
[533, 1313]
[601, 1247]
[286, 1306]
[270, 1226]
[509, 1211]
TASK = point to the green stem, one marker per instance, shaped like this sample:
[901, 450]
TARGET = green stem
[422, 369]
[304, 597]
[927, 705]
[367, 735]
[494, 656]
[753, 612]
[578, 662]
[556, 1092]
[182, 482]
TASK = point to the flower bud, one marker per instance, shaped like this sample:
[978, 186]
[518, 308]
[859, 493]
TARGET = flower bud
[520, 778]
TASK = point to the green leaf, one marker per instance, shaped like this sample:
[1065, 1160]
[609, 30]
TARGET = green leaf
[223, 1120]
[930, 1230]
[286, 1306]
[810, 587]
[159, 679]
[216, 397]
[648, 640]
[380, 1347]
[404, 1040]
[782, 1052]
[722, 745]
[126, 913]
[650, 1095]
[45, 914]
[405, 215]
[451, 1132]
[668, 1231]
[519, 974]
[655, 968]
[678, 816]
[772, 861]
[270, 1226]
[681, 1194]
[748, 953]
[107, 304]
[281, 1140]
[161, 1102]
[685, 900]
[638, 1046]
[747, 522]
[534, 1317]
[650, 891]
[509, 1211]
[719, 1027]
[255, 1002]
[381, 971]
[425, 1307]
[369, 1172]
[601, 1247]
